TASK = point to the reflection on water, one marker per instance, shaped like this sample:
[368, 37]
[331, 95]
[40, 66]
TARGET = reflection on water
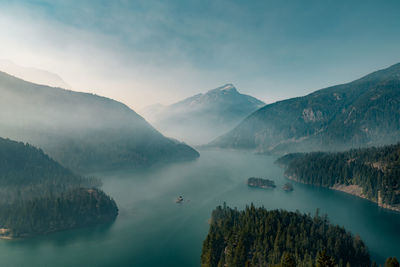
[152, 230]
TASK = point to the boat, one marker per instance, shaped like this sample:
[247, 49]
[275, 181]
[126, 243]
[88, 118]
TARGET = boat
[179, 199]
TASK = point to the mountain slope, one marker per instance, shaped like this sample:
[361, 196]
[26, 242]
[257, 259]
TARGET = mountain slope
[360, 113]
[39, 196]
[80, 130]
[32, 74]
[201, 118]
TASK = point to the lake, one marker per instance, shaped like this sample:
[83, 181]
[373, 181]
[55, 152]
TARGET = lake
[153, 230]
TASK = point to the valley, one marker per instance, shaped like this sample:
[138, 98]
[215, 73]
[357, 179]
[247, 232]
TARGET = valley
[199, 133]
[82, 131]
[203, 117]
[142, 169]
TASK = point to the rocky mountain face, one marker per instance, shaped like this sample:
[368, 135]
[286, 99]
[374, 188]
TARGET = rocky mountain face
[82, 131]
[203, 117]
[364, 112]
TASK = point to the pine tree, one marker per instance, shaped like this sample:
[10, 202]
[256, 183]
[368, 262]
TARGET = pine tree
[287, 260]
[323, 260]
[392, 262]
[234, 236]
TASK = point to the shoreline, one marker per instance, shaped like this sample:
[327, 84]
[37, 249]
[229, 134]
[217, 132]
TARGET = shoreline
[354, 190]
[4, 234]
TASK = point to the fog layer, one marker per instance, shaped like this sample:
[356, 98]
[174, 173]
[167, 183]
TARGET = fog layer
[199, 119]
[82, 131]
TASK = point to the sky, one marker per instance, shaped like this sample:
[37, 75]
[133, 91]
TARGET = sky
[147, 52]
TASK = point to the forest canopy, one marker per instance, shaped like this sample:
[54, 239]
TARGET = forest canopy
[375, 170]
[260, 237]
[38, 195]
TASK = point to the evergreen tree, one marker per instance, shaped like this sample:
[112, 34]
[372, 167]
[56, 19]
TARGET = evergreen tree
[323, 260]
[375, 170]
[287, 260]
[258, 237]
[38, 195]
[392, 262]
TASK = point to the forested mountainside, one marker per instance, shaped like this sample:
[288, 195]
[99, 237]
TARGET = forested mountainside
[203, 117]
[38, 195]
[364, 112]
[375, 172]
[259, 237]
[82, 131]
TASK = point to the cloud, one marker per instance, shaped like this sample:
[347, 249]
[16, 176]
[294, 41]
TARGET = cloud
[144, 52]
[113, 64]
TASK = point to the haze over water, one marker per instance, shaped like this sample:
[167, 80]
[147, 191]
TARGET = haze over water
[152, 230]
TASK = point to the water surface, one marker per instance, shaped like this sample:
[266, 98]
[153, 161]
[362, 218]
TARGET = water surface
[152, 230]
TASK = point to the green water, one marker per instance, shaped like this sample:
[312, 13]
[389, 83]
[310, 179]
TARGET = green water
[152, 230]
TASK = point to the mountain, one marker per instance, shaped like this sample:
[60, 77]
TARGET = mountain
[371, 173]
[32, 74]
[203, 117]
[84, 132]
[260, 237]
[39, 196]
[364, 112]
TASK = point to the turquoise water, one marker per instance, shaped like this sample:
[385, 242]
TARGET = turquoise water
[152, 230]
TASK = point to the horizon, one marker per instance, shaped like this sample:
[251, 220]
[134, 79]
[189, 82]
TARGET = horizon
[203, 92]
[143, 53]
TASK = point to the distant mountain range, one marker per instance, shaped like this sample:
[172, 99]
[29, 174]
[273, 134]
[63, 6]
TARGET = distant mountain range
[202, 117]
[33, 75]
[364, 112]
[82, 131]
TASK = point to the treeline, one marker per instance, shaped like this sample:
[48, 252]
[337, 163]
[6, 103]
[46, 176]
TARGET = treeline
[27, 172]
[375, 170]
[38, 195]
[75, 208]
[258, 237]
[109, 149]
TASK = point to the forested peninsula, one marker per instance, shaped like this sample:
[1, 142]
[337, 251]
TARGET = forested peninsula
[371, 173]
[260, 237]
[38, 195]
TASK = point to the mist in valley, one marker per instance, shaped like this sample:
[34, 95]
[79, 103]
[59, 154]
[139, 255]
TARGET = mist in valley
[82, 131]
[201, 118]
[91, 167]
